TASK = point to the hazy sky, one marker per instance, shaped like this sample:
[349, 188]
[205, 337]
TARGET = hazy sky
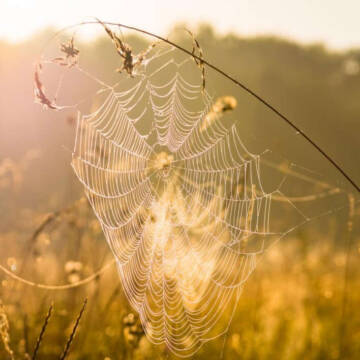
[335, 22]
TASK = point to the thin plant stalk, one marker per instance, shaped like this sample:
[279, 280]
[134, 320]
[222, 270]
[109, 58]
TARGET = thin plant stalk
[73, 332]
[42, 332]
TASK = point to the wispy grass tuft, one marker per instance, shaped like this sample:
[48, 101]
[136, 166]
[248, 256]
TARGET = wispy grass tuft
[5, 331]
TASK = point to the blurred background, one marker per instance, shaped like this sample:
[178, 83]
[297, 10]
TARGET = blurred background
[304, 58]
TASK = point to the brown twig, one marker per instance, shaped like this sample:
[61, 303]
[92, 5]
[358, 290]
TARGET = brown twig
[72, 335]
[42, 332]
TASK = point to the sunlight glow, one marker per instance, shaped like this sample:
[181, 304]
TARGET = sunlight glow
[307, 21]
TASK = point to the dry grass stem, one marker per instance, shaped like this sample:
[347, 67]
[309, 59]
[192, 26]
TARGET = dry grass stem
[42, 332]
[72, 335]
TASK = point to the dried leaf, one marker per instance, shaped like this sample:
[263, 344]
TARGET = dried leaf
[39, 91]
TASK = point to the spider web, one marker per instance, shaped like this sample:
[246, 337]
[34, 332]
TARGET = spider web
[183, 207]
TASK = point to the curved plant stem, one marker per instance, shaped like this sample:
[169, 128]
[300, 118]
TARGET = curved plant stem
[238, 83]
[81, 282]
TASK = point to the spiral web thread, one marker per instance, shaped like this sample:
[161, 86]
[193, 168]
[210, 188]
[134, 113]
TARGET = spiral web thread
[183, 208]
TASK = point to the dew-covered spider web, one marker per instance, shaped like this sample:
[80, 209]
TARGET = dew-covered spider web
[184, 205]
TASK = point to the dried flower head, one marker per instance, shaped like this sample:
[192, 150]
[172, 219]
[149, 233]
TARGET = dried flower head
[219, 108]
[71, 54]
[130, 62]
